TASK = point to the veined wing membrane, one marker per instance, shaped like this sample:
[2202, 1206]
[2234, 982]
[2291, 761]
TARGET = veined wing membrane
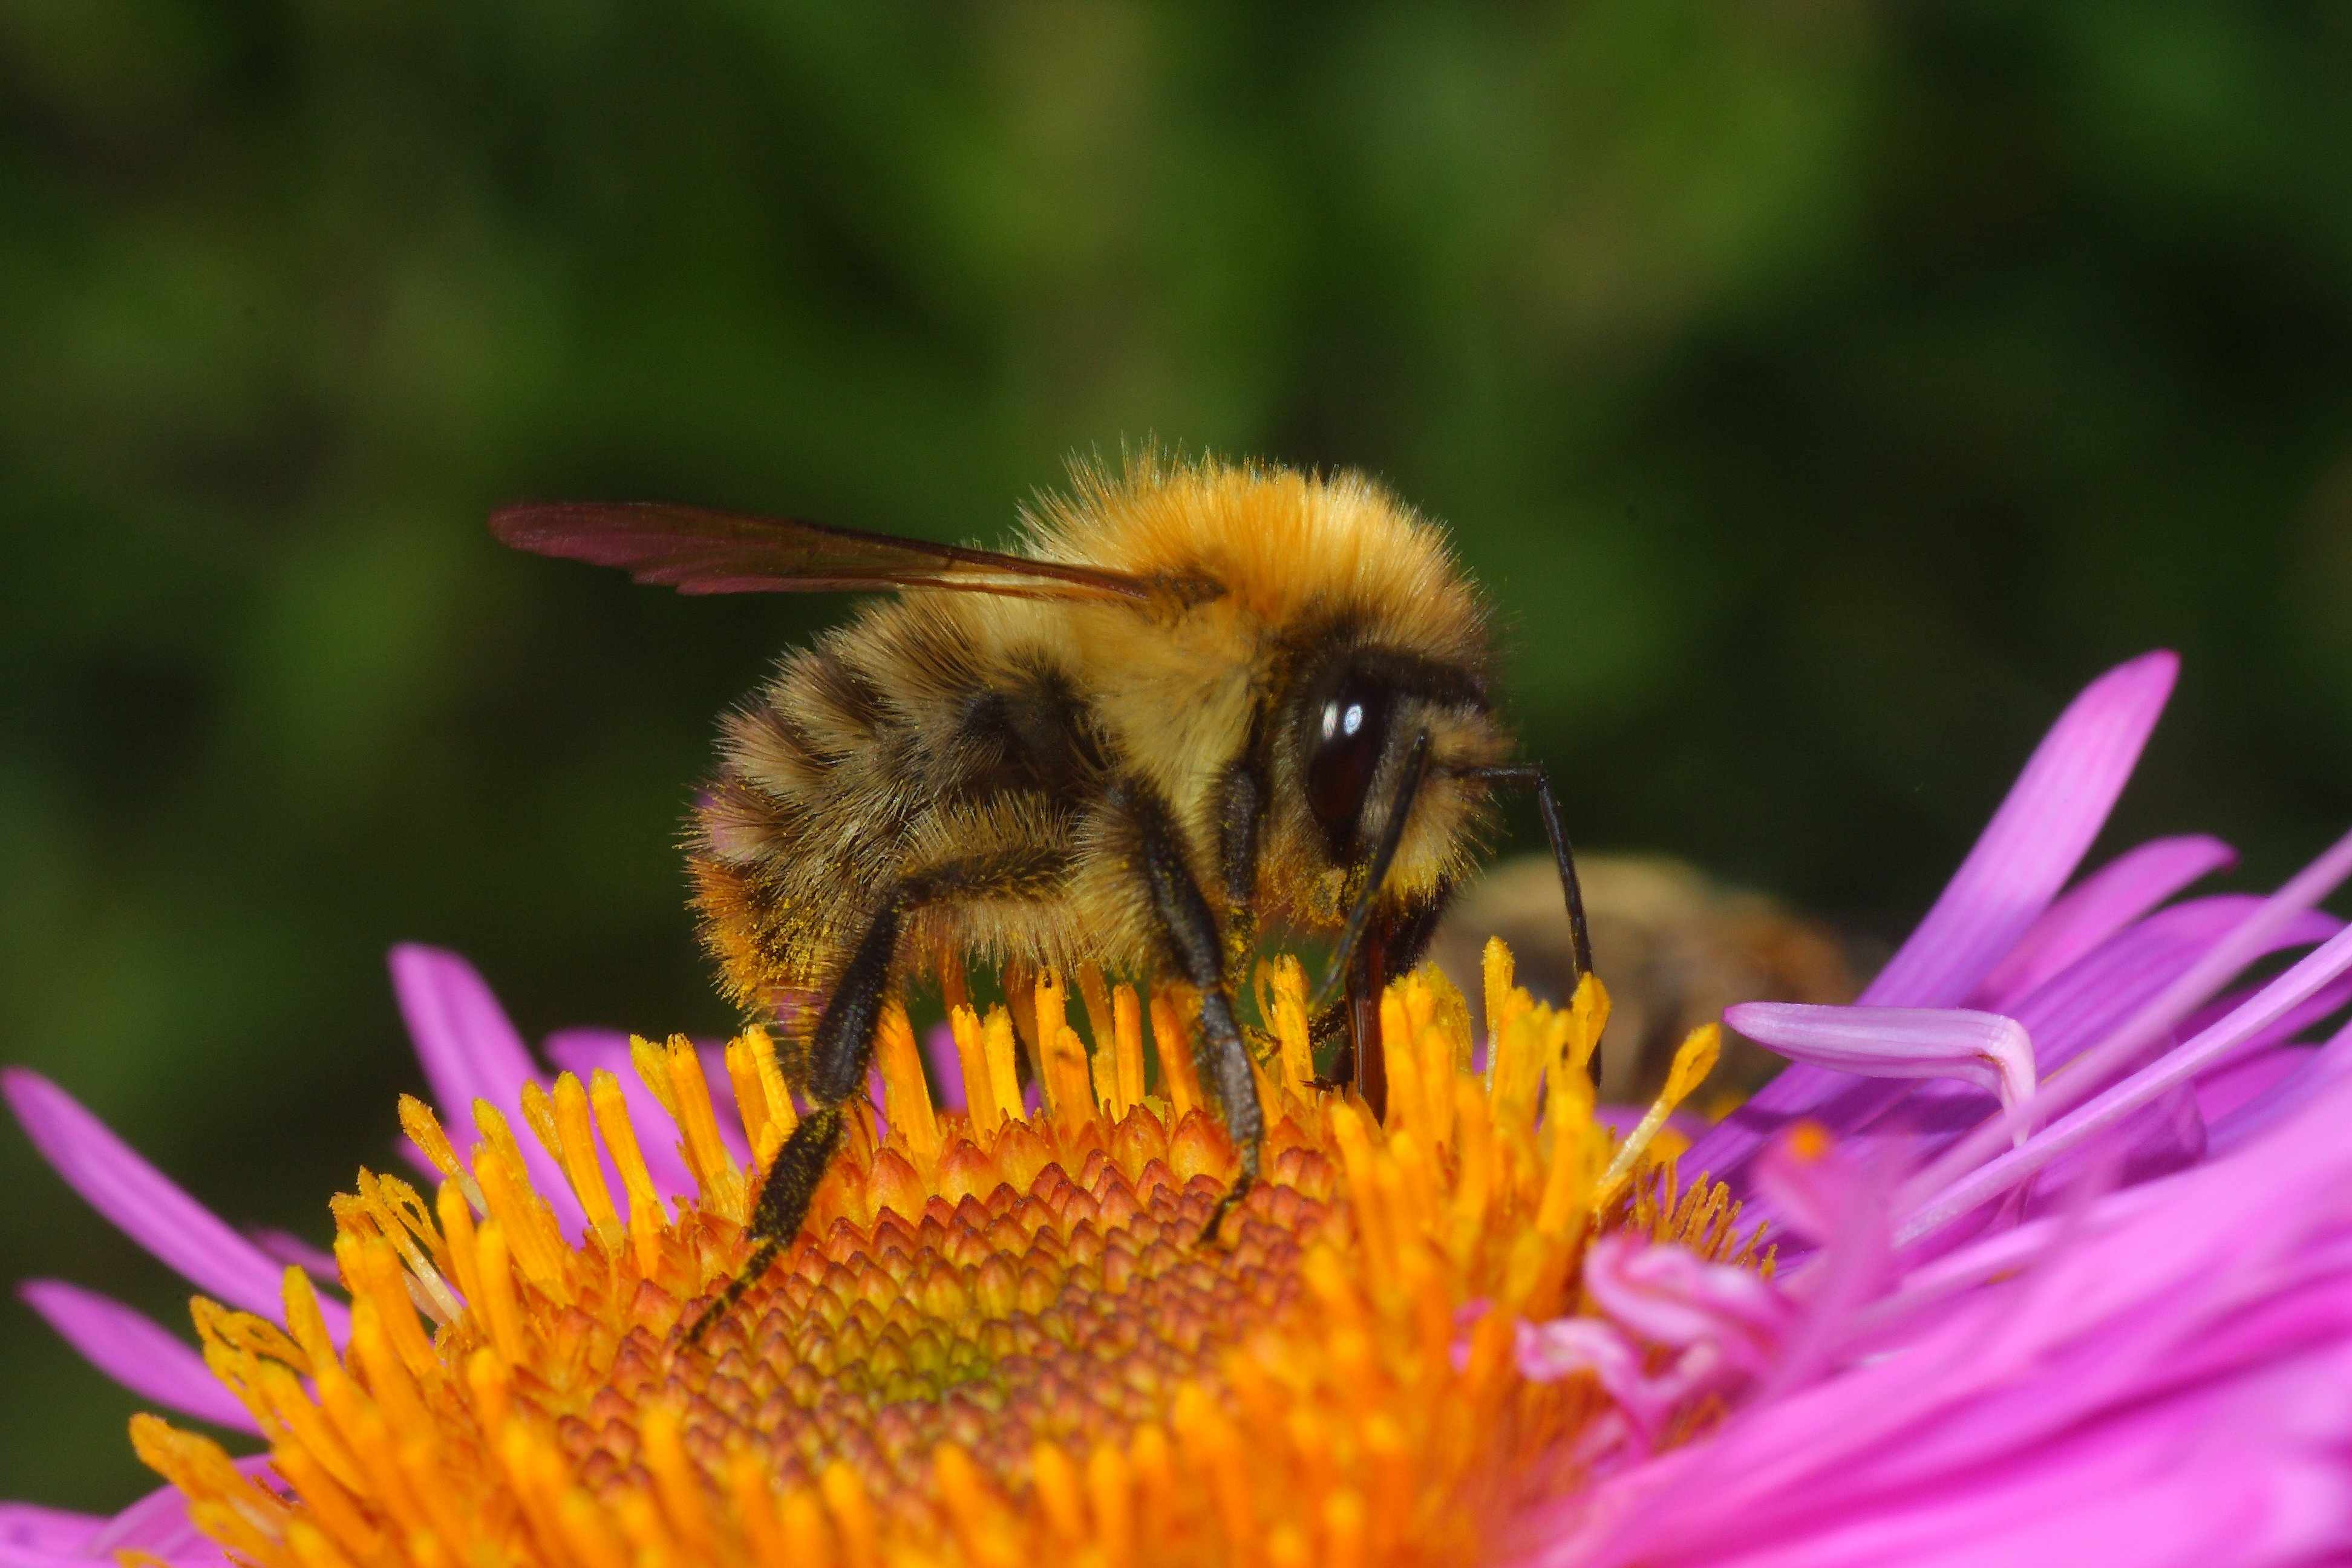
[698, 551]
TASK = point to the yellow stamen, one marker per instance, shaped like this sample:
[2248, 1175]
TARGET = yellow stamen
[1127, 1050]
[674, 1072]
[1693, 1059]
[575, 1151]
[971, 1055]
[906, 1099]
[999, 1340]
[1288, 1016]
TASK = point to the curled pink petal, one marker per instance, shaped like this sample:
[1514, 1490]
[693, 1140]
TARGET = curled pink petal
[1981, 1049]
[1668, 1295]
[2074, 1010]
[2099, 906]
[144, 1205]
[1550, 1352]
[136, 1351]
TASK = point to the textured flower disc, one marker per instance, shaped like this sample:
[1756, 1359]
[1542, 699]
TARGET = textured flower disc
[1000, 1339]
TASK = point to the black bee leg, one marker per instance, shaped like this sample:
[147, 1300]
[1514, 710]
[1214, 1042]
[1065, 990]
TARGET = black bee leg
[841, 1052]
[1228, 1064]
[1240, 805]
[839, 1055]
[1188, 935]
[784, 1197]
[1395, 945]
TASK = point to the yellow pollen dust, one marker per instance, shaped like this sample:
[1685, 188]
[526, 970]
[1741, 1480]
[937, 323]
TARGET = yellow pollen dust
[998, 1340]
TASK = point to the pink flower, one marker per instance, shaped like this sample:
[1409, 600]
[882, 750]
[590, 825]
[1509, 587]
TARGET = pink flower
[2095, 1314]
[2065, 1208]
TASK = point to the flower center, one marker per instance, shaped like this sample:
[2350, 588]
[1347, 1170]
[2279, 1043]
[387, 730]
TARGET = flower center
[1000, 1338]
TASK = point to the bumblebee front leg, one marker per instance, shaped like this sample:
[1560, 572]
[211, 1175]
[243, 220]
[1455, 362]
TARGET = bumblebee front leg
[1393, 948]
[1187, 934]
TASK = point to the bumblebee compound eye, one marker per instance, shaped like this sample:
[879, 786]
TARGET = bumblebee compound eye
[1350, 733]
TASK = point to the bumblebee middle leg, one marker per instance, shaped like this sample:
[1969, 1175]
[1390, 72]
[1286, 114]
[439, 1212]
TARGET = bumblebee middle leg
[841, 1052]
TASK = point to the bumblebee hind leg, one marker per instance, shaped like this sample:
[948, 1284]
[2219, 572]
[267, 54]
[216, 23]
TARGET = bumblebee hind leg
[840, 1053]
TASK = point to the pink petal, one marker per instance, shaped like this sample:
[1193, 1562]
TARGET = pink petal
[158, 1523]
[947, 1066]
[470, 1051]
[287, 1248]
[2191, 1341]
[1548, 1352]
[1931, 1205]
[33, 1528]
[142, 1204]
[1981, 1049]
[2019, 862]
[581, 1052]
[2165, 1135]
[2290, 1025]
[2321, 1069]
[2098, 994]
[136, 1351]
[14, 1556]
[2097, 907]
[2034, 841]
[2098, 1066]
[1843, 1204]
[2074, 1010]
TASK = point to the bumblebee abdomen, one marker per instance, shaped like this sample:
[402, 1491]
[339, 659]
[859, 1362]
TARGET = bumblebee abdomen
[927, 732]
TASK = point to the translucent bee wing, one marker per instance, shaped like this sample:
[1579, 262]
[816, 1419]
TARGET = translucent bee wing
[698, 551]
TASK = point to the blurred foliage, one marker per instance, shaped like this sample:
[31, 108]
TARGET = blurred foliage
[1825, 390]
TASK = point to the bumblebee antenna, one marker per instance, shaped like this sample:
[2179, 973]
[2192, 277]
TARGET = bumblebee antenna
[1563, 853]
[1416, 766]
[1563, 859]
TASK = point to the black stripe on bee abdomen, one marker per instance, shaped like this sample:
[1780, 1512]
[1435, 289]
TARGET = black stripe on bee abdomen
[1031, 735]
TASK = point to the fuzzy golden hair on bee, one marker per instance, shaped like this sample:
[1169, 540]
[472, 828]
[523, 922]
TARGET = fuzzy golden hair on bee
[1197, 699]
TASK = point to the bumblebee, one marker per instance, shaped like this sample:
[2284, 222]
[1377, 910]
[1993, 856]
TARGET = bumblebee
[1196, 700]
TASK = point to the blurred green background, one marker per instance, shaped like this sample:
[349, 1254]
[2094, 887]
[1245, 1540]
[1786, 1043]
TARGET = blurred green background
[1825, 390]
